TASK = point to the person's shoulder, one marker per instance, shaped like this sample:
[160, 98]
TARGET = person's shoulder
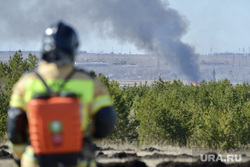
[19, 86]
[28, 75]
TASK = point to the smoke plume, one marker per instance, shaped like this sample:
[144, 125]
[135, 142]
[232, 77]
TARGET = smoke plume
[150, 25]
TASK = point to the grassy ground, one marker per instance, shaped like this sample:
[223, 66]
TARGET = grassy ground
[175, 153]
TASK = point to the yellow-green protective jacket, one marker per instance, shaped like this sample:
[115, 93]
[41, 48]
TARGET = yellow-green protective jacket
[95, 100]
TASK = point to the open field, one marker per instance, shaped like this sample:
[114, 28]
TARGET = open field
[134, 67]
[234, 67]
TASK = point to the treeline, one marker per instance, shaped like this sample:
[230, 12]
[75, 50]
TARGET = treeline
[214, 115]
[10, 72]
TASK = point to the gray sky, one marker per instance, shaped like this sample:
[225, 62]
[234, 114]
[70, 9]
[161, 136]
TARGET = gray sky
[221, 25]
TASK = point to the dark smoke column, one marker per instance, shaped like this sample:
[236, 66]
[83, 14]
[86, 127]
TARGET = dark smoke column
[148, 24]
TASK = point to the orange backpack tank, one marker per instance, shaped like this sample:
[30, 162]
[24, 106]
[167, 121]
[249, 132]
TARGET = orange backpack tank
[55, 124]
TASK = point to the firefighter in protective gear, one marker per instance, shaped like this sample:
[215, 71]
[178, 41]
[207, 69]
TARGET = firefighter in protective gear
[60, 45]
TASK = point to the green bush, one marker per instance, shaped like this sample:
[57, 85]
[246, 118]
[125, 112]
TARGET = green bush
[10, 73]
[214, 115]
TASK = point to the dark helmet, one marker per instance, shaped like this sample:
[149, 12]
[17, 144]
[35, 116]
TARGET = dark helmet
[60, 44]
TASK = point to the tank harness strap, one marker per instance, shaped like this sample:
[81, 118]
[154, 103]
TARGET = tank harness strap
[49, 91]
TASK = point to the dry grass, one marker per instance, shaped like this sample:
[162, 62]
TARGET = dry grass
[169, 149]
[134, 147]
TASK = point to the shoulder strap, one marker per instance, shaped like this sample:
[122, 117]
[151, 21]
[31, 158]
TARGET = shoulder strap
[67, 78]
[49, 91]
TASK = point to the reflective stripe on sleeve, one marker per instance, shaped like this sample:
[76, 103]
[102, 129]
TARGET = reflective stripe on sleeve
[28, 155]
[85, 116]
[17, 101]
[100, 102]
